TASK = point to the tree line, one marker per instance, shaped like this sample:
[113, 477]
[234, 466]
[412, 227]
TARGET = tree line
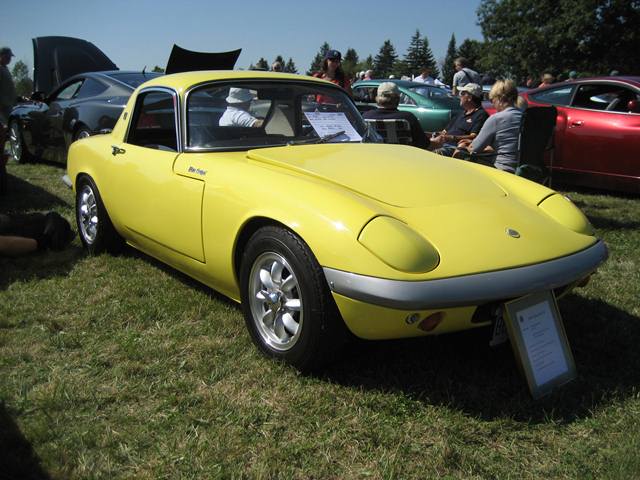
[521, 38]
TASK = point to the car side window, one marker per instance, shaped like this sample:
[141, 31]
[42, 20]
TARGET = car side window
[90, 88]
[365, 94]
[153, 124]
[406, 99]
[68, 92]
[611, 98]
[555, 96]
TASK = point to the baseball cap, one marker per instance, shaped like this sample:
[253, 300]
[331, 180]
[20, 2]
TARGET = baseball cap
[6, 51]
[333, 54]
[473, 88]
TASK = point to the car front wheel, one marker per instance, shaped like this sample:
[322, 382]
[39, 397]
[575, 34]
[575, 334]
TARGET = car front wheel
[94, 225]
[19, 151]
[286, 302]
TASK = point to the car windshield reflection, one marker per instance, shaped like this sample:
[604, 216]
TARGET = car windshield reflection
[243, 115]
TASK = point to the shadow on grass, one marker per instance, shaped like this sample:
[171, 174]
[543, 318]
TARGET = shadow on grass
[17, 458]
[461, 371]
[23, 196]
[39, 265]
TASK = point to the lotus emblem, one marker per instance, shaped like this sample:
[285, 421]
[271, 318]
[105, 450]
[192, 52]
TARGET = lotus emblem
[513, 233]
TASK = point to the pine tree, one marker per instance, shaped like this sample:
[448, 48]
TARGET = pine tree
[262, 64]
[447, 69]
[350, 63]
[279, 59]
[385, 60]
[413, 60]
[316, 65]
[290, 67]
[428, 60]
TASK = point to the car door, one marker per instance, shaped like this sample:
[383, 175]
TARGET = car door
[46, 121]
[601, 136]
[160, 206]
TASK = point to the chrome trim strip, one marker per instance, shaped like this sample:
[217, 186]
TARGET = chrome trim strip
[468, 289]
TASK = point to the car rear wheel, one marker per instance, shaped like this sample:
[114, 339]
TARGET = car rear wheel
[286, 302]
[19, 151]
[94, 225]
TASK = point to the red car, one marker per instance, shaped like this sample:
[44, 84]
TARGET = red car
[597, 138]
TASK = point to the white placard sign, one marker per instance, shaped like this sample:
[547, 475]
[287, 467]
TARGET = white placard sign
[328, 123]
[542, 341]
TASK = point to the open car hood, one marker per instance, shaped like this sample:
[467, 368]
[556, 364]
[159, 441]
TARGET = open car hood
[57, 58]
[182, 60]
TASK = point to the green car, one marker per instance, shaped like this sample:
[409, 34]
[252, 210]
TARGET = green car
[432, 106]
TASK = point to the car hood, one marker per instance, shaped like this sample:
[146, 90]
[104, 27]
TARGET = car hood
[396, 175]
[183, 60]
[57, 58]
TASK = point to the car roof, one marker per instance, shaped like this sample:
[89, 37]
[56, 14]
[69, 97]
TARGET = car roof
[633, 81]
[185, 80]
[399, 83]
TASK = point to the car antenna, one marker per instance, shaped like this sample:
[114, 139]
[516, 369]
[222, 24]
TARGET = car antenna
[143, 69]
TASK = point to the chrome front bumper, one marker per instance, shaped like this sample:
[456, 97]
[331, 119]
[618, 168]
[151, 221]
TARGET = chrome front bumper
[468, 289]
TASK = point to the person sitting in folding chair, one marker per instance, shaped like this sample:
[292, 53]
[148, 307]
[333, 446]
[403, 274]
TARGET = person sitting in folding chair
[501, 132]
[387, 99]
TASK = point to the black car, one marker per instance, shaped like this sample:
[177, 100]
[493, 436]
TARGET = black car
[88, 93]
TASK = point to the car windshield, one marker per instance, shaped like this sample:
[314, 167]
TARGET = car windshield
[250, 114]
[134, 79]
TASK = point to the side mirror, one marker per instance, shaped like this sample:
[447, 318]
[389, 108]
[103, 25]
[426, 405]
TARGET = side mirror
[633, 106]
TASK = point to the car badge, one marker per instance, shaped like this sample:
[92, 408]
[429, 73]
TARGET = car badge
[513, 233]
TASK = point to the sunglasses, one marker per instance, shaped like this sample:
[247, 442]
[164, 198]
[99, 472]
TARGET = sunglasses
[334, 59]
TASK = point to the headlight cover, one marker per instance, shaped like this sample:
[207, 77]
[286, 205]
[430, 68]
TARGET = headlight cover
[399, 246]
[562, 210]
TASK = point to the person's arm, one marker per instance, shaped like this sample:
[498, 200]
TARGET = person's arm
[486, 136]
[14, 246]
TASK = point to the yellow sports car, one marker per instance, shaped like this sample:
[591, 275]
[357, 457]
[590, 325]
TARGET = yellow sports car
[271, 189]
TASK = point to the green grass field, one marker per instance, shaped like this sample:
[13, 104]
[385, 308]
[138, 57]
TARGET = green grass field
[120, 367]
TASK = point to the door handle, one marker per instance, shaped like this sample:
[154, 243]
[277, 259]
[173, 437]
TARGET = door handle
[115, 150]
[577, 123]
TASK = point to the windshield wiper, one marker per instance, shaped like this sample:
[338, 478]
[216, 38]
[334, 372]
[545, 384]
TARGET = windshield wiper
[324, 139]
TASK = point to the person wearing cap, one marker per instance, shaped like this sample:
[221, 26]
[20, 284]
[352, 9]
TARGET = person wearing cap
[572, 76]
[332, 70]
[501, 131]
[464, 126]
[237, 112]
[276, 66]
[387, 99]
[463, 75]
[8, 94]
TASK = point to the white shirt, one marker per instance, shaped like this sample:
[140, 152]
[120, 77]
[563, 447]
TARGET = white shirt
[428, 81]
[235, 117]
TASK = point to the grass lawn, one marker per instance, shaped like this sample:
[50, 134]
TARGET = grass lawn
[119, 367]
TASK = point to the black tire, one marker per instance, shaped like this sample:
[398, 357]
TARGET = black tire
[82, 132]
[94, 225]
[296, 277]
[19, 151]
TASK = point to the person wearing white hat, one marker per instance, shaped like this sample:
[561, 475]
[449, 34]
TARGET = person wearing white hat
[237, 112]
[7, 88]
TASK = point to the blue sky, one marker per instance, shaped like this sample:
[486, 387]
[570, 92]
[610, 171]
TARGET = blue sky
[138, 33]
